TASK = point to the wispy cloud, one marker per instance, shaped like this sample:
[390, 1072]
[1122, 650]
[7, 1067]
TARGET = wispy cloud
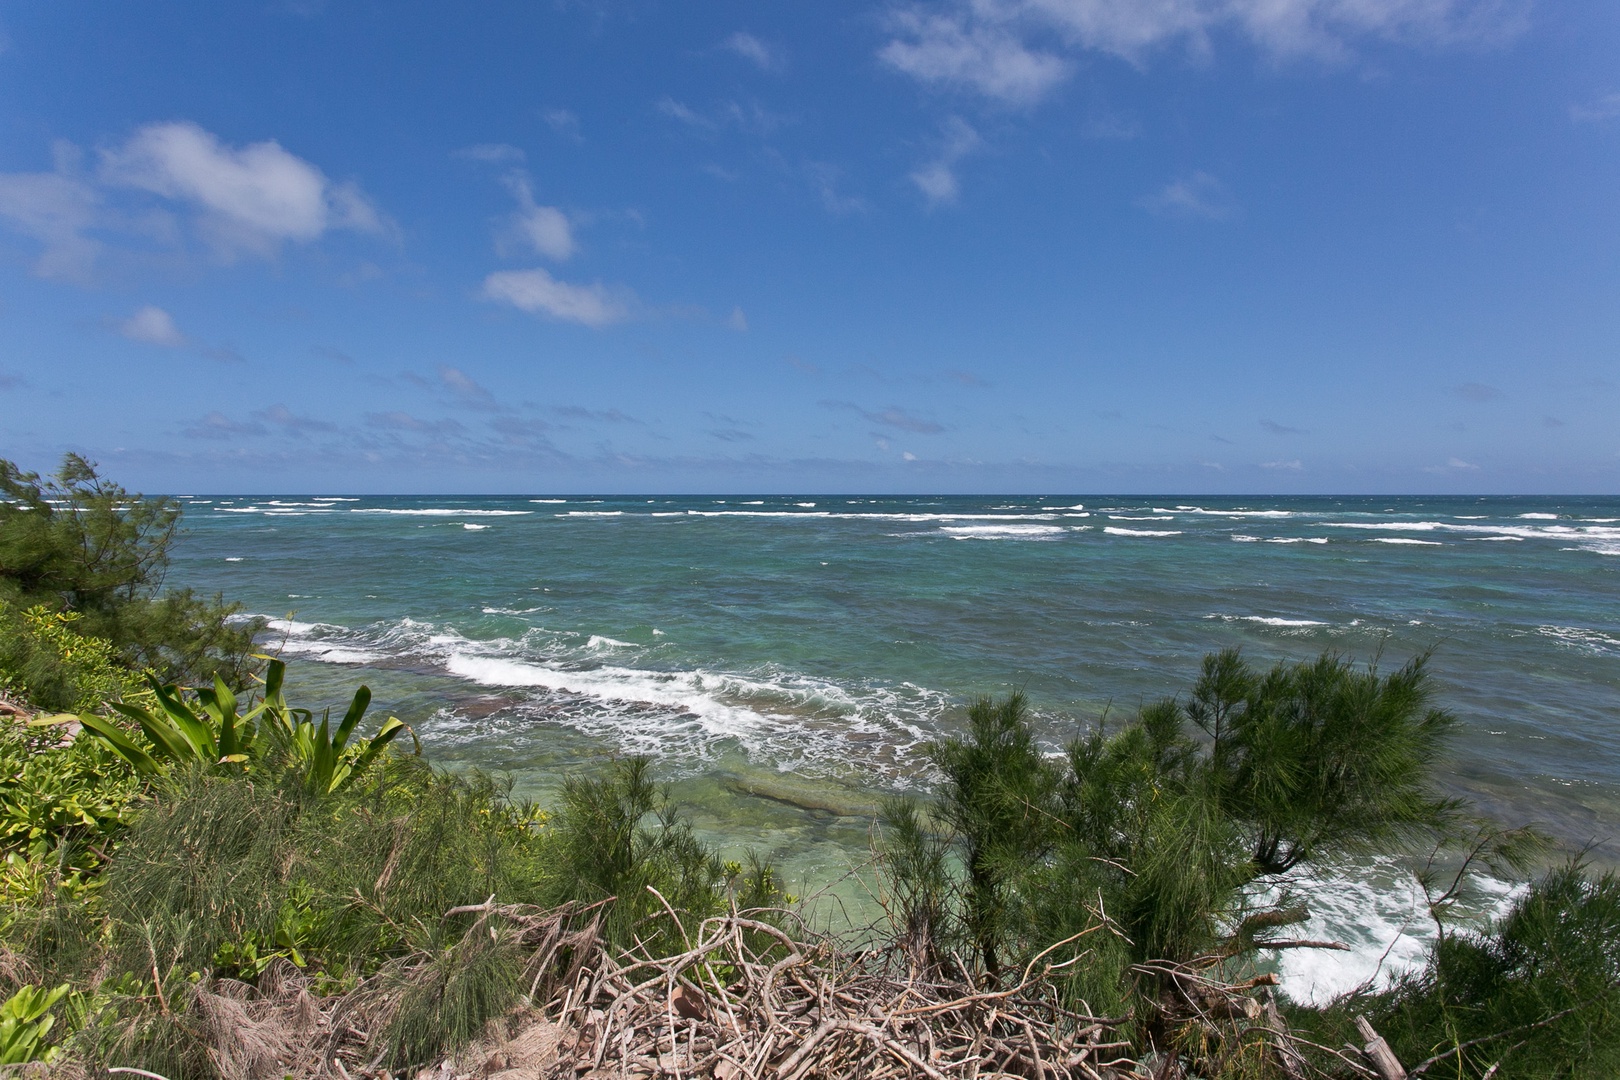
[936, 179]
[465, 390]
[289, 422]
[153, 326]
[1281, 429]
[1294, 465]
[216, 425]
[892, 417]
[538, 293]
[1017, 51]
[599, 416]
[749, 117]
[404, 421]
[1606, 107]
[544, 229]
[1196, 195]
[826, 182]
[962, 49]
[563, 122]
[492, 153]
[754, 50]
[1477, 392]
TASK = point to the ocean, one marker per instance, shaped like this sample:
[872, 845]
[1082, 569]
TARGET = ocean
[785, 659]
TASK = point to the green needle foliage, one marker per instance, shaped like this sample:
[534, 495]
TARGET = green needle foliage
[616, 835]
[75, 542]
[1164, 825]
[1535, 994]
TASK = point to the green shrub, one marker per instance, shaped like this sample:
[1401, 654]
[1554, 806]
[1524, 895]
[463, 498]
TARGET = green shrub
[25, 1020]
[1536, 993]
[77, 543]
[617, 835]
[1162, 825]
[47, 663]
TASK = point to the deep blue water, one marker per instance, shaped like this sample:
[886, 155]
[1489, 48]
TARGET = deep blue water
[825, 637]
[784, 658]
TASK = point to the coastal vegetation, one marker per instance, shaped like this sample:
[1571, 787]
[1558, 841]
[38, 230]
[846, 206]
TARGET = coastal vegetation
[201, 878]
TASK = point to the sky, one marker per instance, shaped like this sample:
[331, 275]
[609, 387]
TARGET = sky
[1156, 246]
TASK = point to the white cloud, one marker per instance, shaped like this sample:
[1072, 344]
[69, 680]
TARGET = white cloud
[56, 209]
[750, 48]
[1197, 195]
[538, 293]
[544, 228]
[564, 123]
[826, 180]
[1288, 466]
[961, 49]
[990, 45]
[675, 110]
[495, 153]
[1606, 107]
[251, 199]
[154, 326]
[908, 456]
[738, 321]
[937, 179]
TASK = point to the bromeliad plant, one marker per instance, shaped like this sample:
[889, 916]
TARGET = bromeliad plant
[329, 759]
[214, 736]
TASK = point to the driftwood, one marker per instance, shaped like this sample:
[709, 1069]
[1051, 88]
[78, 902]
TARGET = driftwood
[1378, 1052]
[748, 995]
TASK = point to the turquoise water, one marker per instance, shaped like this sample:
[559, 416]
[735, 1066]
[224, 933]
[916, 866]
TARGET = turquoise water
[784, 658]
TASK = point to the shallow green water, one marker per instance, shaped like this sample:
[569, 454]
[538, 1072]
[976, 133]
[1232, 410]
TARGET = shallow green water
[785, 658]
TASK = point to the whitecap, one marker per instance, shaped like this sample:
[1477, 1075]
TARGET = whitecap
[470, 527]
[1538, 517]
[1002, 532]
[1113, 531]
[1405, 540]
[1593, 641]
[440, 512]
[233, 558]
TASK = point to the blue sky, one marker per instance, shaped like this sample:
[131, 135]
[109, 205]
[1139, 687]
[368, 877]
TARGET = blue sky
[1190, 246]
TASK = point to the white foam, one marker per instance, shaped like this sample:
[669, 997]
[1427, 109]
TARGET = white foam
[592, 513]
[1234, 513]
[804, 504]
[1296, 540]
[549, 502]
[311, 640]
[1268, 620]
[233, 558]
[1376, 909]
[1593, 641]
[1242, 539]
[598, 641]
[1405, 540]
[1538, 517]
[1002, 532]
[1114, 531]
[439, 512]
[334, 499]
[470, 527]
[1127, 517]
